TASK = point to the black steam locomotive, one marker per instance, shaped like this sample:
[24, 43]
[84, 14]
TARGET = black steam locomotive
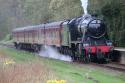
[84, 38]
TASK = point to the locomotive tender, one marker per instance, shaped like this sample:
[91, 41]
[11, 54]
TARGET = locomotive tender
[83, 38]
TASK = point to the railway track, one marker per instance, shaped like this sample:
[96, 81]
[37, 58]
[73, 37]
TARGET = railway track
[112, 65]
[7, 45]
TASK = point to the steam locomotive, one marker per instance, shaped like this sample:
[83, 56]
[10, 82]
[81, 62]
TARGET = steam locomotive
[84, 38]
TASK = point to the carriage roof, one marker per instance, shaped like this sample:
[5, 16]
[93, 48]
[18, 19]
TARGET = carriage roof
[47, 25]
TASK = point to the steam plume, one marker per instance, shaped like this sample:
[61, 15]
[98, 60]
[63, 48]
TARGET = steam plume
[85, 6]
[53, 53]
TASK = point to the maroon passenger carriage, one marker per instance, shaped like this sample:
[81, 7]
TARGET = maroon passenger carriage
[33, 36]
[84, 38]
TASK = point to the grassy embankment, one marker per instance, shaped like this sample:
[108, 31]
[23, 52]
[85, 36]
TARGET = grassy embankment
[23, 67]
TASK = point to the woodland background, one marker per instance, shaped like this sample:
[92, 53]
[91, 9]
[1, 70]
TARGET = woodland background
[19, 13]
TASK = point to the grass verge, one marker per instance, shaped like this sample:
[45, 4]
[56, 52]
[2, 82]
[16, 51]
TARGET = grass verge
[30, 68]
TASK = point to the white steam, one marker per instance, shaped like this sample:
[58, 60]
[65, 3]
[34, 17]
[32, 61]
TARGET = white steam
[50, 52]
[85, 6]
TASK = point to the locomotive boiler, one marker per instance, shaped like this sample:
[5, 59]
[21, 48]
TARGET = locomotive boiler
[84, 38]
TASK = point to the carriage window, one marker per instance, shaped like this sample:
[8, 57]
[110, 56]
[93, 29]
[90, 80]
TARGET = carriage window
[51, 34]
[54, 34]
